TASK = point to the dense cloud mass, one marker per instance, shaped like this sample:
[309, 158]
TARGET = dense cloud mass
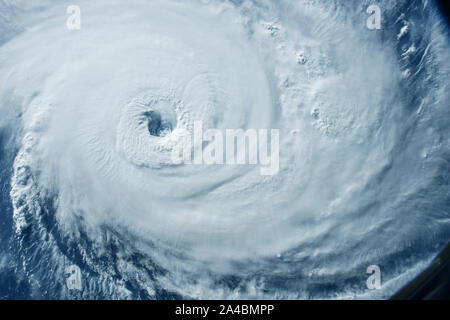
[90, 118]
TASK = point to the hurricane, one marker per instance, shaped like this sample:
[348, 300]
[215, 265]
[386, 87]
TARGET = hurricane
[91, 117]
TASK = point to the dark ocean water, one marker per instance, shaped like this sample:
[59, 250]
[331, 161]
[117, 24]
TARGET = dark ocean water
[13, 284]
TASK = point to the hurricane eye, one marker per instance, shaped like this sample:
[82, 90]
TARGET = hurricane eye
[154, 122]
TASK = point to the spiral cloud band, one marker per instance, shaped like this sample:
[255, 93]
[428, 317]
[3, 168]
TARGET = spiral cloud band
[96, 112]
